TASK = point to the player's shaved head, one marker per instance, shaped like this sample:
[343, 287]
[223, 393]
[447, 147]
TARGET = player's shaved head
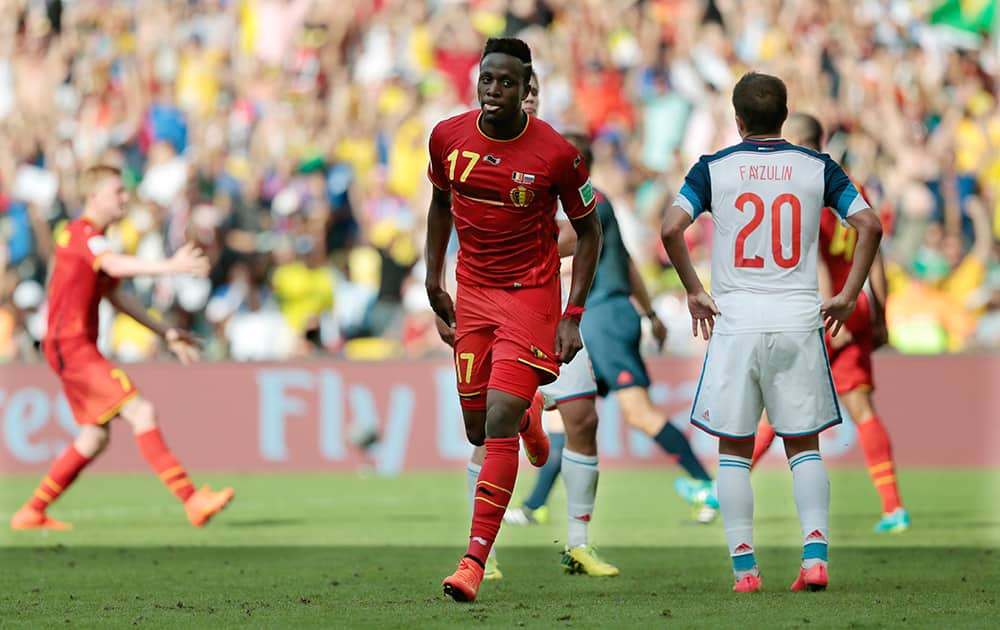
[761, 103]
[513, 47]
[804, 130]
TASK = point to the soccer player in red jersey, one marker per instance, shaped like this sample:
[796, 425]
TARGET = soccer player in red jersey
[85, 271]
[851, 350]
[497, 174]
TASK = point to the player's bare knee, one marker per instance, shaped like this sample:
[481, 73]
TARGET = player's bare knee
[476, 436]
[859, 404]
[586, 423]
[92, 440]
[794, 446]
[649, 422]
[504, 415]
[737, 448]
[475, 426]
[140, 414]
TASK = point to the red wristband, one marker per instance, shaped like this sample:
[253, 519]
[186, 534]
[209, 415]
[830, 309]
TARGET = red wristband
[573, 312]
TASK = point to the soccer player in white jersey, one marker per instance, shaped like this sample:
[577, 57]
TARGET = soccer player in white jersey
[765, 319]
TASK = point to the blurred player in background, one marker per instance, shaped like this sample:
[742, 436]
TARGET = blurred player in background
[767, 350]
[612, 331]
[85, 271]
[851, 350]
[569, 398]
[497, 174]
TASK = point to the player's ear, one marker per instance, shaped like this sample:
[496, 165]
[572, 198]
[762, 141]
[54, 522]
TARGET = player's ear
[740, 126]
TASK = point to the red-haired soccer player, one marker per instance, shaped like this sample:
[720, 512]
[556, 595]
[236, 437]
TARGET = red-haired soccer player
[851, 350]
[497, 174]
[85, 270]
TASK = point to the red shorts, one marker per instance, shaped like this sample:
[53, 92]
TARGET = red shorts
[95, 388]
[851, 365]
[505, 340]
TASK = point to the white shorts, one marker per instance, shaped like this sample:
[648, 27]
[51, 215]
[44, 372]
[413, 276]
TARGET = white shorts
[576, 380]
[787, 373]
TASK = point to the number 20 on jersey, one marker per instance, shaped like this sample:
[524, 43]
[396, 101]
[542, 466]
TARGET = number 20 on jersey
[752, 202]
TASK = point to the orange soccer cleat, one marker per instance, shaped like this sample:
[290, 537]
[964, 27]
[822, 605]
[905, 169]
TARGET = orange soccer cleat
[205, 503]
[29, 518]
[536, 441]
[748, 584]
[463, 584]
[815, 578]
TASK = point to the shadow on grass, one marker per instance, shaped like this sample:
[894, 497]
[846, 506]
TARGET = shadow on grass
[380, 586]
[264, 522]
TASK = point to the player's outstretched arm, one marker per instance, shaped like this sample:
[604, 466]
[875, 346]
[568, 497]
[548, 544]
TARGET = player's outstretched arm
[439, 223]
[189, 259]
[700, 303]
[838, 308]
[181, 342]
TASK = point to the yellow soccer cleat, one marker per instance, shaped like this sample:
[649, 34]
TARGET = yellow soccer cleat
[492, 571]
[583, 560]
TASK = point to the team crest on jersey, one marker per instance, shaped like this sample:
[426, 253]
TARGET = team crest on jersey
[492, 159]
[521, 196]
[523, 178]
[538, 353]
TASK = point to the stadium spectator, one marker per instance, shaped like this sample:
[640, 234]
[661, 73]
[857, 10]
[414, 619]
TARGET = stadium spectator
[262, 126]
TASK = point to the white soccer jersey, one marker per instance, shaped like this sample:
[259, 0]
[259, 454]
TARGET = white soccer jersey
[766, 198]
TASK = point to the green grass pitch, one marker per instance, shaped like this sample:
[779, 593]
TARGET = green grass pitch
[325, 550]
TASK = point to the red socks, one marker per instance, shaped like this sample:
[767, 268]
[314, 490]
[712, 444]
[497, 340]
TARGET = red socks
[493, 491]
[765, 435]
[159, 457]
[62, 473]
[878, 456]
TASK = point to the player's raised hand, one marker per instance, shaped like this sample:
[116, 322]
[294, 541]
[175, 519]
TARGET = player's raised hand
[442, 306]
[446, 332]
[835, 312]
[703, 312]
[190, 260]
[568, 341]
[183, 344]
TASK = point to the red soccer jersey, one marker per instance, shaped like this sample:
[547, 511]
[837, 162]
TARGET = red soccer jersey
[77, 284]
[836, 246]
[504, 198]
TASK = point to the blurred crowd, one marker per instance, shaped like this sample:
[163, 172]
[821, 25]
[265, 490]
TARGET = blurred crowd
[288, 138]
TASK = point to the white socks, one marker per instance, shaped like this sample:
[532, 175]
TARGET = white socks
[580, 475]
[736, 504]
[812, 498]
[471, 479]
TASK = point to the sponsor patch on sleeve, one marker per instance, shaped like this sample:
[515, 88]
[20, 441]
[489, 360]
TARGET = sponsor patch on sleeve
[587, 193]
[97, 245]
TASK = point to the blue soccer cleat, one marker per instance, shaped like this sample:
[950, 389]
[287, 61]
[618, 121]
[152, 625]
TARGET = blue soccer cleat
[701, 496]
[894, 522]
